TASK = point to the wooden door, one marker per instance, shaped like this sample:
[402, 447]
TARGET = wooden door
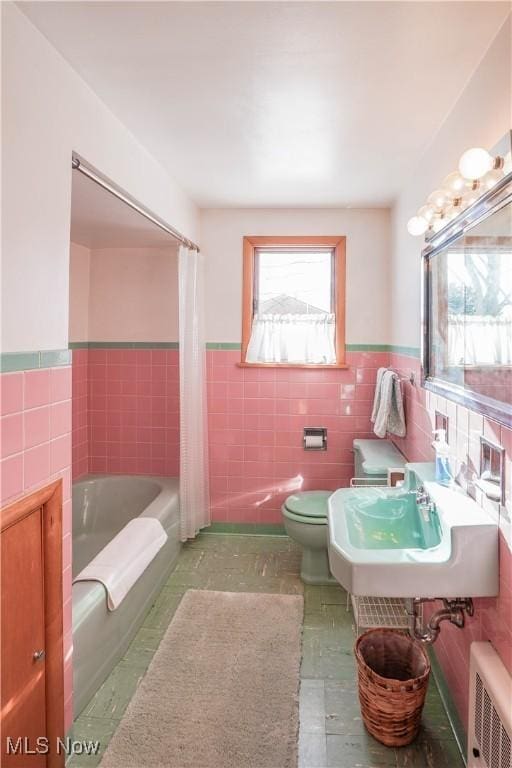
[31, 628]
[22, 614]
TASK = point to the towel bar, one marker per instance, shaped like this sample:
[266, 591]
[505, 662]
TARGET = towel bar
[411, 378]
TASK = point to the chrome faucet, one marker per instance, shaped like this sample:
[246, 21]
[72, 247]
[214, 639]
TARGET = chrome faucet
[422, 496]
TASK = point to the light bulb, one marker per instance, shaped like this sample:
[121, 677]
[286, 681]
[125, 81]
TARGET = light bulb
[427, 212]
[475, 163]
[438, 198]
[491, 178]
[417, 226]
[454, 184]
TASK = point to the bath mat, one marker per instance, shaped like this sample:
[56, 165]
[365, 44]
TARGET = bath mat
[222, 689]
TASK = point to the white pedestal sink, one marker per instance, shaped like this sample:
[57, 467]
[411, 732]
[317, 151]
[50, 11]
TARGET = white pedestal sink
[382, 543]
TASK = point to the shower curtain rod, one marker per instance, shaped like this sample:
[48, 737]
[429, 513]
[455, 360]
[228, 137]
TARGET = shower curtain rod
[77, 165]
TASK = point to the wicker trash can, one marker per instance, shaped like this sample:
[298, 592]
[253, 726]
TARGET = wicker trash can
[393, 672]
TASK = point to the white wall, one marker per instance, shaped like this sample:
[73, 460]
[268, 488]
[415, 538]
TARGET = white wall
[133, 294]
[367, 233]
[481, 117]
[123, 294]
[48, 112]
[79, 289]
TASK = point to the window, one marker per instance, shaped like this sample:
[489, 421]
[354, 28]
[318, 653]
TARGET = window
[294, 301]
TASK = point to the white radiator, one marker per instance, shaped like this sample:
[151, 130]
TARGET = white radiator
[490, 710]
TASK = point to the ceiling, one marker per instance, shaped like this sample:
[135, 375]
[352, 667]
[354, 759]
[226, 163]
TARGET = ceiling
[101, 220]
[277, 103]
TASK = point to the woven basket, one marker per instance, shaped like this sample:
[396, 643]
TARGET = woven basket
[393, 672]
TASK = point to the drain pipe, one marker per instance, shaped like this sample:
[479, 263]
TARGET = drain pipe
[453, 611]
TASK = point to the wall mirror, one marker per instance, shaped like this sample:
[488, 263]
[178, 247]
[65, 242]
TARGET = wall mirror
[467, 307]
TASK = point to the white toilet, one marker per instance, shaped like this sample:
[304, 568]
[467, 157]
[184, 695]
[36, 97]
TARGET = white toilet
[305, 512]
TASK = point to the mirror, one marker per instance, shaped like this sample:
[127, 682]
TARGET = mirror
[467, 287]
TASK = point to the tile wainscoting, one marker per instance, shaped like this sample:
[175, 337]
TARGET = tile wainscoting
[256, 422]
[36, 449]
[126, 410]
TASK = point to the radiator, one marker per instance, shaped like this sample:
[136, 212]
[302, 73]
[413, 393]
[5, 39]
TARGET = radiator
[490, 710]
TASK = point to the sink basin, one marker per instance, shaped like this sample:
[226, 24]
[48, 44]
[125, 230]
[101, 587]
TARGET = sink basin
[383, 543]
[387, 519]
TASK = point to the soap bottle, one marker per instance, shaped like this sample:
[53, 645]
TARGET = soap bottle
[444, 474]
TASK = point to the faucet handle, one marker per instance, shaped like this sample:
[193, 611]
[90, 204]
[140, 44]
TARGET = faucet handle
[422, 496]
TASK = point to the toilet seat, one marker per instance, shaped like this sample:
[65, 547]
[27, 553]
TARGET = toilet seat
[309, 507]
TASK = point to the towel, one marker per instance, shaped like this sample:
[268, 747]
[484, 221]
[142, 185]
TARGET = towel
[125, 558]
[390, 414]
[376, 399]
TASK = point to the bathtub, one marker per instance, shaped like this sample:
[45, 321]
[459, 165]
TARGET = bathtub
[102, 506]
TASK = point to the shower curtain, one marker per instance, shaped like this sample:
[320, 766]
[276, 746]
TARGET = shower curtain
[194, 482]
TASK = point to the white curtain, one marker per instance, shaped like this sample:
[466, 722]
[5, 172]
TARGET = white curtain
[194, 483]
[479, 340]
[292, 339]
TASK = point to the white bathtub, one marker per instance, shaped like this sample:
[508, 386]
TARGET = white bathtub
[102, 506]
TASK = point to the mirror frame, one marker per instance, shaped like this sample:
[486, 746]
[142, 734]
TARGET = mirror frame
[489, 203]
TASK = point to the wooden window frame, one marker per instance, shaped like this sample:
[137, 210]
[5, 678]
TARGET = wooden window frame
[49, 501]
[338, 243]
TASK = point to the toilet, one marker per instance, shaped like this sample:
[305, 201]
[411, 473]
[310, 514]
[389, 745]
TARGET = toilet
[305, 513]
[305, 521]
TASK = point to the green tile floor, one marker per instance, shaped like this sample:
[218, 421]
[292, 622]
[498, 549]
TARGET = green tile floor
[332, 734]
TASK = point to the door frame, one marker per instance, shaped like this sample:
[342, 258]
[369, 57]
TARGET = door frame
[49, 500]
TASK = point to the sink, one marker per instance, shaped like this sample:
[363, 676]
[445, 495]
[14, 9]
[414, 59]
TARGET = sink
[384, 544]
[387, 519]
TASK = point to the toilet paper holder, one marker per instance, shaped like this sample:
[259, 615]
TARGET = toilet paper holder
[315, 438]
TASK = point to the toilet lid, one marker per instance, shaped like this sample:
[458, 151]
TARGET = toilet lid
[308, 503]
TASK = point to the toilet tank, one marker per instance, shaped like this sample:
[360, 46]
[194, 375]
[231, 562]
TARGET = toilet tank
[373, 459]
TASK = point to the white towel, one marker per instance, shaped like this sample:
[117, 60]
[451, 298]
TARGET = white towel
[125, 558]
[376, 399]
[390, 415]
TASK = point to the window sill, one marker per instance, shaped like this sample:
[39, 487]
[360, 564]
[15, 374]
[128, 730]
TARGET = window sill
[342, 366]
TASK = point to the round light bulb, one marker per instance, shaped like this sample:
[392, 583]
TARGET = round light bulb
[427, 212]
[475, 163]
[491, 178]
[454, 184]
[438, 198]
[417, 226]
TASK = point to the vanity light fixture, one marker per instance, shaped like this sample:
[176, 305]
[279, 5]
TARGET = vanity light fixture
[478, 172]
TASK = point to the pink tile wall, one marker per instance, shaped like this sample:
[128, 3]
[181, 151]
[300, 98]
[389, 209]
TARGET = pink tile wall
[36, 449]
[80, 433]
[132, 412]
[256, 422]
[493, 616]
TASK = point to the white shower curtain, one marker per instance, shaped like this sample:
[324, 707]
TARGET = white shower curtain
[194, 482]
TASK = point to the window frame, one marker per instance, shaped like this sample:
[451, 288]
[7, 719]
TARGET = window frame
[336, 242]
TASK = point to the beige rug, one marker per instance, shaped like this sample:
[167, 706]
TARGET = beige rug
[222, 689]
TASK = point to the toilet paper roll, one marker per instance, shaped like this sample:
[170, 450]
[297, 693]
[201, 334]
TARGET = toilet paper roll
[313, 441]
